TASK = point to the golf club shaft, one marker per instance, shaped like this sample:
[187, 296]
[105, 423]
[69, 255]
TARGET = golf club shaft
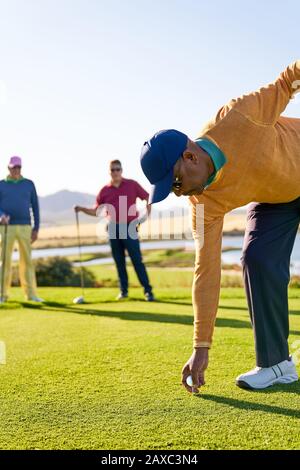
[4, 244]
[80, 255]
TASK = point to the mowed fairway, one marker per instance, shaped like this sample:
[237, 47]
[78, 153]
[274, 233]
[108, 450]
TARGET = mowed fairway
[106, 375]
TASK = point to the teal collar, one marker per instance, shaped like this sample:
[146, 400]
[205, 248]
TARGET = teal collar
[9, 179]
[215, 154]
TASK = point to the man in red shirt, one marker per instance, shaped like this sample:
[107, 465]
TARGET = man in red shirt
[118, 198]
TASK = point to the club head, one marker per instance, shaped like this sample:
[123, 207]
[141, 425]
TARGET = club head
[78, 300]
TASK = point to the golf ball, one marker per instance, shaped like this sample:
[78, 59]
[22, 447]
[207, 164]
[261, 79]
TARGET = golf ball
[189, 381]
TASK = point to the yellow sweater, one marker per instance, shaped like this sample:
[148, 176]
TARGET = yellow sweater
[263, 165]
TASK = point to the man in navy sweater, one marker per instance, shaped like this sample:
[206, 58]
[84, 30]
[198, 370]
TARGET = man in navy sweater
[18, 198]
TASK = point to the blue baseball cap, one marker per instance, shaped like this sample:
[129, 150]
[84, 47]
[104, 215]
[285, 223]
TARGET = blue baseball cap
[158, 158]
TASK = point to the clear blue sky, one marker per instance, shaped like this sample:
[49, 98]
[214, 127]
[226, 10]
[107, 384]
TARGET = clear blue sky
[83, 81]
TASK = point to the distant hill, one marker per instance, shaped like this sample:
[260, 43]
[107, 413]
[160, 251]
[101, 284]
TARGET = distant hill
[57, 208]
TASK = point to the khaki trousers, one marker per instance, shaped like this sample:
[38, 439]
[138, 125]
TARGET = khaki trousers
[21, 234]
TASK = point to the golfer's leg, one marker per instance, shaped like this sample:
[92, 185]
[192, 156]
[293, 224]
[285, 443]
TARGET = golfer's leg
[118, 253]
[10, 241]
[269, 238]
[134, 251]
[26, 267]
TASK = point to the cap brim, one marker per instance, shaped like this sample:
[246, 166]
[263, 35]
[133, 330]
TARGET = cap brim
[162, 188]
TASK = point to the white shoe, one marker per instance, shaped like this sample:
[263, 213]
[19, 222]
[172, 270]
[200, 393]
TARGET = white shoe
[34, 298]
[262, 377]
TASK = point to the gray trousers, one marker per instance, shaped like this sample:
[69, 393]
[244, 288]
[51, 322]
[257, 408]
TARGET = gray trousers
[269, 239]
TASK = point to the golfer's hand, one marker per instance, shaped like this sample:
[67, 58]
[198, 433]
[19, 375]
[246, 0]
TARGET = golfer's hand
[4, 220]
[34, 236]
[77, 208]
[195, 366]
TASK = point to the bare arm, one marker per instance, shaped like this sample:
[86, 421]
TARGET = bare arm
[86, 210]
[142, 194]
[149, 207]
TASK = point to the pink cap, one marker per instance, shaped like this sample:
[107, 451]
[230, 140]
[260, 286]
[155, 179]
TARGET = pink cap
[15, 161]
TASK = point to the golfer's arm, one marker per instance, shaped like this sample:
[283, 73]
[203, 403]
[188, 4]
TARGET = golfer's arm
[143, 195]
[1, 211]
[267, 104]
[207, 280]
[89, 211]
[149, 208]
[35, 209]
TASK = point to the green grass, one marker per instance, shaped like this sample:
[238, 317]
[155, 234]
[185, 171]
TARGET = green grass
[170, 277]
[106, 375]
[174, 258]
[159, 277]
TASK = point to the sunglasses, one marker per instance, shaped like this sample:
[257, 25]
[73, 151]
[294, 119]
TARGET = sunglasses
[177, 183]
[115, 169]
[16, 166]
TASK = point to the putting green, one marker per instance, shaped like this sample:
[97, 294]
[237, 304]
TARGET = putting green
[106, 375]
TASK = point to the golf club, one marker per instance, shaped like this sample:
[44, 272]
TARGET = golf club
[80, 299]
[4, 244]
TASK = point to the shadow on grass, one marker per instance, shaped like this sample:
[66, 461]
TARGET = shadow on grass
[294, 312]
[250, 406]
[188, 303]
[53, 306]
[133, 316]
